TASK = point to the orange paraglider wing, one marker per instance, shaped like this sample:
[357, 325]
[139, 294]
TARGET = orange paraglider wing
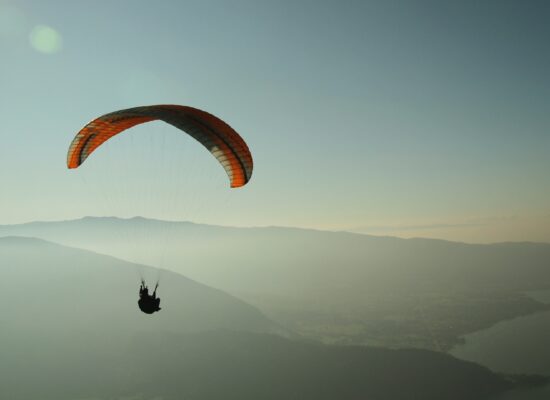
[219, 138]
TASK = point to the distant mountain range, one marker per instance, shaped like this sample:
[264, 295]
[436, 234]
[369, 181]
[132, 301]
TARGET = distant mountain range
[334, 286]
[221, 256]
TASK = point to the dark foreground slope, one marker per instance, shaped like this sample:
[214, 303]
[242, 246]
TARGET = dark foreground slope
[243, 366]
[230, 365]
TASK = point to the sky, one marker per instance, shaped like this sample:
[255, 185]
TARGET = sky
[402, 118]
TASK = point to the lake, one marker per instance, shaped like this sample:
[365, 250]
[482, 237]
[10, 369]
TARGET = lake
[521, 345]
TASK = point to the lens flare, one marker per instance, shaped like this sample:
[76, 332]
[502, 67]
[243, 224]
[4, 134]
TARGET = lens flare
[45, 39]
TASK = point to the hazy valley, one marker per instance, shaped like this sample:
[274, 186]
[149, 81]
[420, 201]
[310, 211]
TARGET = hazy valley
[335, 287]
[69, 324]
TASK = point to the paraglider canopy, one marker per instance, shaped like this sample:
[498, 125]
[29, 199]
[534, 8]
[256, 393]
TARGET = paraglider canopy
[220, 139]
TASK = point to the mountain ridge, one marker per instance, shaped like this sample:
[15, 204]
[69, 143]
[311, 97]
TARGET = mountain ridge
[276, 227]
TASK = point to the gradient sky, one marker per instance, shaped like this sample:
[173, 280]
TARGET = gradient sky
[402, 118]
